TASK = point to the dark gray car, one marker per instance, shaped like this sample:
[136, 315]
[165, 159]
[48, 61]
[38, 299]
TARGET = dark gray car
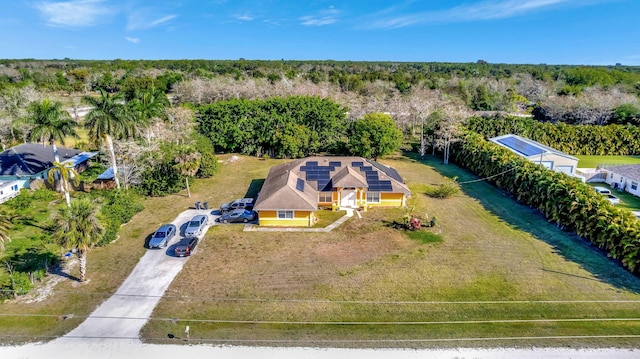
[238, 215]
[162, 236]
[186, 247]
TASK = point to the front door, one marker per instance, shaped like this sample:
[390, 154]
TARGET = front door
[348, 198]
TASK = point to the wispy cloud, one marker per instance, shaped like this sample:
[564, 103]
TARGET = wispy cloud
[74, 13]
[134, 40]
[324, 17]
[485, 10]
[245, 17]
[141, 20]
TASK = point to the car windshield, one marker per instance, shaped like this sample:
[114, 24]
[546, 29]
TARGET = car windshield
[160, 234]
[194, 224]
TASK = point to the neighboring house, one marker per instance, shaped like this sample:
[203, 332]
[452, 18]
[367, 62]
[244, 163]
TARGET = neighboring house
[30, 162]
[106, 180]
[8, 190]
[294, 191]
[623, 177]
[538, 153]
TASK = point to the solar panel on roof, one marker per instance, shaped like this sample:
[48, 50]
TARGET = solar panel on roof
[312, 163]
[300, 185]
[335, 164]
[385, 186]
[521, 146]
[322, 185]
[367, 168]
[357, 164]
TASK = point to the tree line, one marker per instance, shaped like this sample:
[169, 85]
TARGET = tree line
[573, 139]
[293, 127]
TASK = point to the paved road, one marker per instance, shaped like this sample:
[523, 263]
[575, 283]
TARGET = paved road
[126, 312]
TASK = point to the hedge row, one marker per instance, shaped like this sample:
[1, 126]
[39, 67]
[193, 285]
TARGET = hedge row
[566, 201]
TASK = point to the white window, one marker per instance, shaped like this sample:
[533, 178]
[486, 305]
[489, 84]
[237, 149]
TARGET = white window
[325, 197]
[634, 185]
[373, 197]
[285, 214]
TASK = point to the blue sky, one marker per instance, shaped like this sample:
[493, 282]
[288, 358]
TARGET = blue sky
[594, 32]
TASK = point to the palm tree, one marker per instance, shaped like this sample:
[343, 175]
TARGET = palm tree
[6, 225]
[188, 164]
[109, 118]
[65, 171]
[78, 227]
[148, 105]
[50, 123]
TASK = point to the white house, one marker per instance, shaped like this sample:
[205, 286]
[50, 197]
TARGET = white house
[625, 177]
[8, 190]
[538, 153]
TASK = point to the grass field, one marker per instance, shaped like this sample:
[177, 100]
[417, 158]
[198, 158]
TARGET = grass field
[594, 161]
[497, 274]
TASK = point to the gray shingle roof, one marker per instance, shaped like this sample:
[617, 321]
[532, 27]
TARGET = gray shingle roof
[288, 186]
[30, 159]
[631, 172]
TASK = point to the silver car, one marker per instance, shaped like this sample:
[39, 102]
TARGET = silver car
[196, 225]
[162, 236]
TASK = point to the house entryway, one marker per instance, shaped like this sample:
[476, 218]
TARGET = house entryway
[348, 198]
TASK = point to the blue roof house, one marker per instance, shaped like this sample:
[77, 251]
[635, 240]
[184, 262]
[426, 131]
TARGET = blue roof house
[30, 162]
[538, 153]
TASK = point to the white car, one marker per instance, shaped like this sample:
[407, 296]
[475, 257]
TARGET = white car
[607, 194]
[196, 225]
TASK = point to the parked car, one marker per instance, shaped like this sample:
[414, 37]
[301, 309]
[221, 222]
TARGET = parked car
[196, 225]
[237, 215]
[240, 203]
[607, 194]
[162, 236]
[186, 246]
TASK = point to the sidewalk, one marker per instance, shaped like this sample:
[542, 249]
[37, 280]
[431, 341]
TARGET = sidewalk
[329, 228]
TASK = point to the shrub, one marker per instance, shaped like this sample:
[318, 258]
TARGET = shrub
[445, 190]
[208, 165]
[21, 202]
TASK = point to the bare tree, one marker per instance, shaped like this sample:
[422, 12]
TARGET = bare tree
[449, 128]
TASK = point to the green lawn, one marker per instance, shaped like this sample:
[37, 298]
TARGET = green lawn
[594, 161]
[498, 272]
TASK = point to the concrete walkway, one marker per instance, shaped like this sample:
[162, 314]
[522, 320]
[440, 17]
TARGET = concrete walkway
[329, 228]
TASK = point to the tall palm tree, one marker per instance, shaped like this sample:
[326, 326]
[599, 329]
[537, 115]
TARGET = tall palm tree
[65, 171]
[78, 227]
[147, 106]
[188, 164]
[50, 123]
[6, 225]
[109, 118]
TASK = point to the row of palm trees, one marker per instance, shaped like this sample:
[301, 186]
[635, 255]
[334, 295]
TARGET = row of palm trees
[566, 201]
[78, 225]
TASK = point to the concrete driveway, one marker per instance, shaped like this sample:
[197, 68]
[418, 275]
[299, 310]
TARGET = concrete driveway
[125, 313]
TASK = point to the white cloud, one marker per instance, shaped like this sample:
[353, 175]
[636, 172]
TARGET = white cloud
[245, 17]
[141, 20]
[74, 13]
[134, 40]
[324, 17]
[485, 10]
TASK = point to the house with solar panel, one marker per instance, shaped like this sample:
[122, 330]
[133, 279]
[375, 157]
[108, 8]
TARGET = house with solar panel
[538, 153]
[294, 191]
[30, 162]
